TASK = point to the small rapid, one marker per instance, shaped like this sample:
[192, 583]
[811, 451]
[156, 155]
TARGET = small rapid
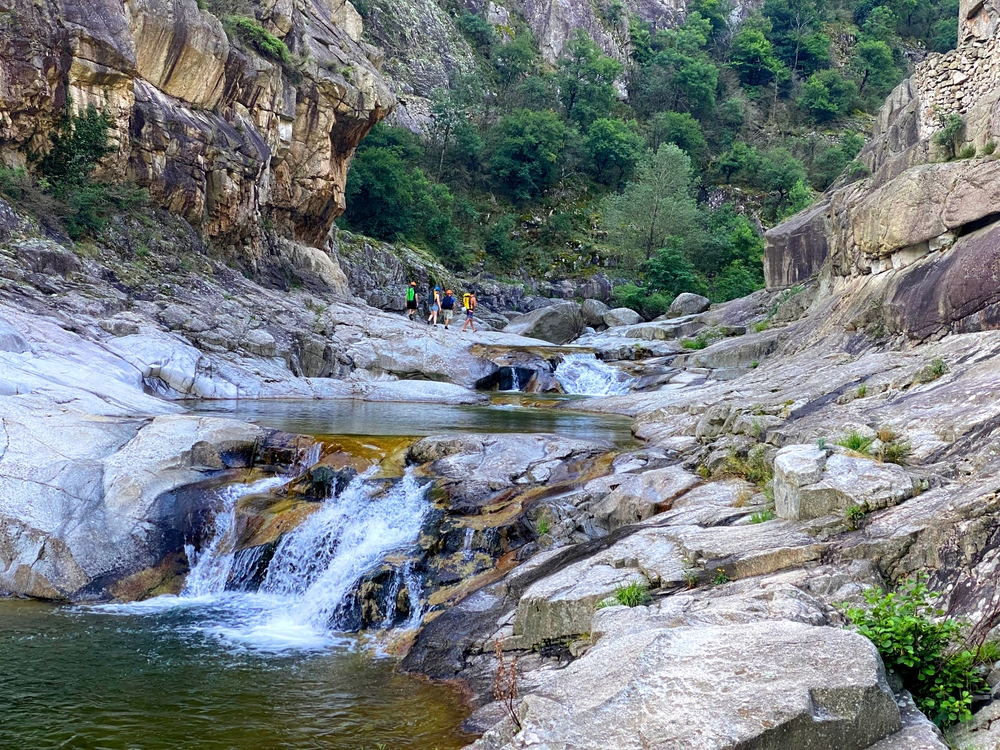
[586, 375]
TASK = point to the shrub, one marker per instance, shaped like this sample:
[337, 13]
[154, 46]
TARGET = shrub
[946, 139]
[923, 647]
[632, 594]
[857, 170]
[936, 369]
[989, 148]
[542, 526]
[967, 152]
[854, 515]
[754, 468]
[762, 516]
[856, 442]
[895, 452]
[252, 33]
[862, 391]
[720, 578]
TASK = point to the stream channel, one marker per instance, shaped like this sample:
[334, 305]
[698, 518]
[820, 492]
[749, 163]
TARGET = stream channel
[218, 669]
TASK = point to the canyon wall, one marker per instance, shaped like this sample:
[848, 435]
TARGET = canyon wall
[220, 134]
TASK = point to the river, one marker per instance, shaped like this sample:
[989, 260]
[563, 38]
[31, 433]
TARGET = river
[217, 669]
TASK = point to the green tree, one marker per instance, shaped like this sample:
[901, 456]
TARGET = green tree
[873, 68]
[613, 147]
[779, 172]
[586, 80]
[527, 153]
[668, 271]
[680, 76]
[752, 56]
[795, 34]
[739, 163]
[827, 95]
[656, 206]
[682, 130]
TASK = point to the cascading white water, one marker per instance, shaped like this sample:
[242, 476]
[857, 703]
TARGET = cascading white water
[314, 569]
[586, 375]
[317, 565]
[211, 565]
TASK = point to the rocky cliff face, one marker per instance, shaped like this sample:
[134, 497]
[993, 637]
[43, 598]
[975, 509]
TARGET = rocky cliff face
[912, 248]
[221, 135]
[425, 49]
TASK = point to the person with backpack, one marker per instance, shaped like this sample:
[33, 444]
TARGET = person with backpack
[447, 307]
[411, 301]
[469, 303]
[435, 305]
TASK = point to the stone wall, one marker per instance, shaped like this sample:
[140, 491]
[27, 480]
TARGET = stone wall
[954, 82]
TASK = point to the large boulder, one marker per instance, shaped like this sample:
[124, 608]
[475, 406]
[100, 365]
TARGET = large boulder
[558, 323]
[621, 316]
[810, 483]
[593, 312]
[687, 303]
[767, 686]
[639, 496]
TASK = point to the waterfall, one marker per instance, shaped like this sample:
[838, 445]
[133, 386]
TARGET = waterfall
[586, 375]
[211, 565]
[515, 380]
[314, 569]
[317, 564]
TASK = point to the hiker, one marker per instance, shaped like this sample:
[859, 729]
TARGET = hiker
[435, 300]
[469, 303]
[411, 301]
[447, 307]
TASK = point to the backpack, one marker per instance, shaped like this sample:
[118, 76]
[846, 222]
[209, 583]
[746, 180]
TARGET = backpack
[448, 303]
[466, 300]
[411, 294]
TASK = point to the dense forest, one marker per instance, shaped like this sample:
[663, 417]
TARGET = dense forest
[663, 171]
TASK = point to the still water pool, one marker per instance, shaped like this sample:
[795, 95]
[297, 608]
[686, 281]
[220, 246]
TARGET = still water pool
[162, 678]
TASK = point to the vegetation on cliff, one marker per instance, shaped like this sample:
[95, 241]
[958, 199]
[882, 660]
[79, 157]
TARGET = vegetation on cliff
[664, 170]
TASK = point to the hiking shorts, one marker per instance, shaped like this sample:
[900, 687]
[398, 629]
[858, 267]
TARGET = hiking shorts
[411, 304]
[434, 308]
[468, 313]
[448, 314]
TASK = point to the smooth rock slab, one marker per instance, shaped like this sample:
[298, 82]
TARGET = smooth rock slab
[765, 686]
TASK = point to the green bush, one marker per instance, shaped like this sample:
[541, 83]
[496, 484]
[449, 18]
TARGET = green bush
[946, 139]
[632, 594]
[856, 442]
[252, 33]
[65, 198]
[924, 648]
[648, 304]
[989, 147]
[967, 152]
[936, 369]
[854, 515]
[762, 516]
